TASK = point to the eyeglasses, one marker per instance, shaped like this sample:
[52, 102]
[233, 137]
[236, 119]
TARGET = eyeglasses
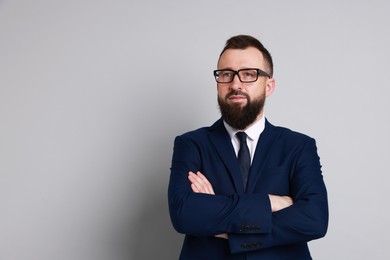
[244, 75]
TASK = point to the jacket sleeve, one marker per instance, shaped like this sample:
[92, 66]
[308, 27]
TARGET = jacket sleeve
[205, 215]
[247, 218]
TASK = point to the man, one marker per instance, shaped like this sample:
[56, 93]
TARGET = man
[258, 195]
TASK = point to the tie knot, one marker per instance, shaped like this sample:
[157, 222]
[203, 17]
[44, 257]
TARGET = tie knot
[242, 137]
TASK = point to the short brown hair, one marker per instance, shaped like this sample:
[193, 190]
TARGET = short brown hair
[245, 41]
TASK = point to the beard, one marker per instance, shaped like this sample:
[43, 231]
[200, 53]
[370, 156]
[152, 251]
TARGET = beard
[241, 117]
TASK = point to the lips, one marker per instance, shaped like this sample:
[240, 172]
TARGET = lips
[236, 93]
[237, 97]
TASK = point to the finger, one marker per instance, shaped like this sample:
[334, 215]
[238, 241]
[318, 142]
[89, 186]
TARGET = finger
[197, 182]
[288, 200]
[201, 180]
[224, 236]
[201, 183]
[206, 182]
[194, 178]
[194, 188]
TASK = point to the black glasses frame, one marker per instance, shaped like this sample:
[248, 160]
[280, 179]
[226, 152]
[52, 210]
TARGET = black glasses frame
[236, 72]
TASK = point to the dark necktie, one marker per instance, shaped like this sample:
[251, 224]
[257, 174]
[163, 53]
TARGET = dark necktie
[244, 157]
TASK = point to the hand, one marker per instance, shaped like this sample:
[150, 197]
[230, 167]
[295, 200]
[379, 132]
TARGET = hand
[200, 184]
[224, 236]
[279, 202]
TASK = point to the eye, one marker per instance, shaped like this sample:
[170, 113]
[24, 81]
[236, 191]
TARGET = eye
[225, 74]
[248, 75]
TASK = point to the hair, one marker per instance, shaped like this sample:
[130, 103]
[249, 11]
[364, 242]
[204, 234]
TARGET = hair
[245, 41]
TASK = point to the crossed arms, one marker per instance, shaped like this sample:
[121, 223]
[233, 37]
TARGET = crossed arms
[262, 219]
[200, 184]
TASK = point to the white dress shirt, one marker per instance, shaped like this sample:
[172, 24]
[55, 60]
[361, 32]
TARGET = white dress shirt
[253, 132]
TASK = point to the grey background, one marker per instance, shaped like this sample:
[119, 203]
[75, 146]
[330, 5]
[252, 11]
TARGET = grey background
[92, 94]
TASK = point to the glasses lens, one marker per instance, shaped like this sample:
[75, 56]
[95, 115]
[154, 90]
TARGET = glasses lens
[224, 76]
[248, 75]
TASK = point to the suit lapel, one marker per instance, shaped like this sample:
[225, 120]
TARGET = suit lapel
[266, 140]
[220, 138]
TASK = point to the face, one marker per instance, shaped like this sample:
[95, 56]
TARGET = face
[241, 104]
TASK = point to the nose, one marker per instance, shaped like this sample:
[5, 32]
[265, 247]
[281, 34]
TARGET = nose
[236, 83]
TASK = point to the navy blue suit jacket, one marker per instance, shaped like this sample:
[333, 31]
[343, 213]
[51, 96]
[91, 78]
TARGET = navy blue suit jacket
[285, 163]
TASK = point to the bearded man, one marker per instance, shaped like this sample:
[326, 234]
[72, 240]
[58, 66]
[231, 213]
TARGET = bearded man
[243, 188]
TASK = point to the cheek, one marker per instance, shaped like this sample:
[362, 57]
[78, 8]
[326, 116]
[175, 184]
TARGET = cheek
[257, 94]
[221, 91]
[261, 91]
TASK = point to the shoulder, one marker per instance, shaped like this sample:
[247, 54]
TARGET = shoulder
[288, 135]
[204, 132]
[287, 141]
[199, 133]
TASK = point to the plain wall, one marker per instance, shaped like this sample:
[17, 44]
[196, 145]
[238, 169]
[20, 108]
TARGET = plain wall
[92, 94]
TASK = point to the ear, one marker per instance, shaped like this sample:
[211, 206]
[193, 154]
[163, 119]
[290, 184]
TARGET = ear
[270, 87]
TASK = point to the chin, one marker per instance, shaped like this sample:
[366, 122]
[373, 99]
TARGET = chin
[238, 104]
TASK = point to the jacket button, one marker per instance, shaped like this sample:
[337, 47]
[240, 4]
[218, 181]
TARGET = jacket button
[246, 246]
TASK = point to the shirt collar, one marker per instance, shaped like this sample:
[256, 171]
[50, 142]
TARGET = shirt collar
[253, 131]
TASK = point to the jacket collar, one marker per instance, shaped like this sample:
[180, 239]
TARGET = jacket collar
[220, 139]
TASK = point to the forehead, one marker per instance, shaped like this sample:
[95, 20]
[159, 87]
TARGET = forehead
[238, 59]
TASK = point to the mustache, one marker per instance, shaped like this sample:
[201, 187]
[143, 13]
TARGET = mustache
[236, 92]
